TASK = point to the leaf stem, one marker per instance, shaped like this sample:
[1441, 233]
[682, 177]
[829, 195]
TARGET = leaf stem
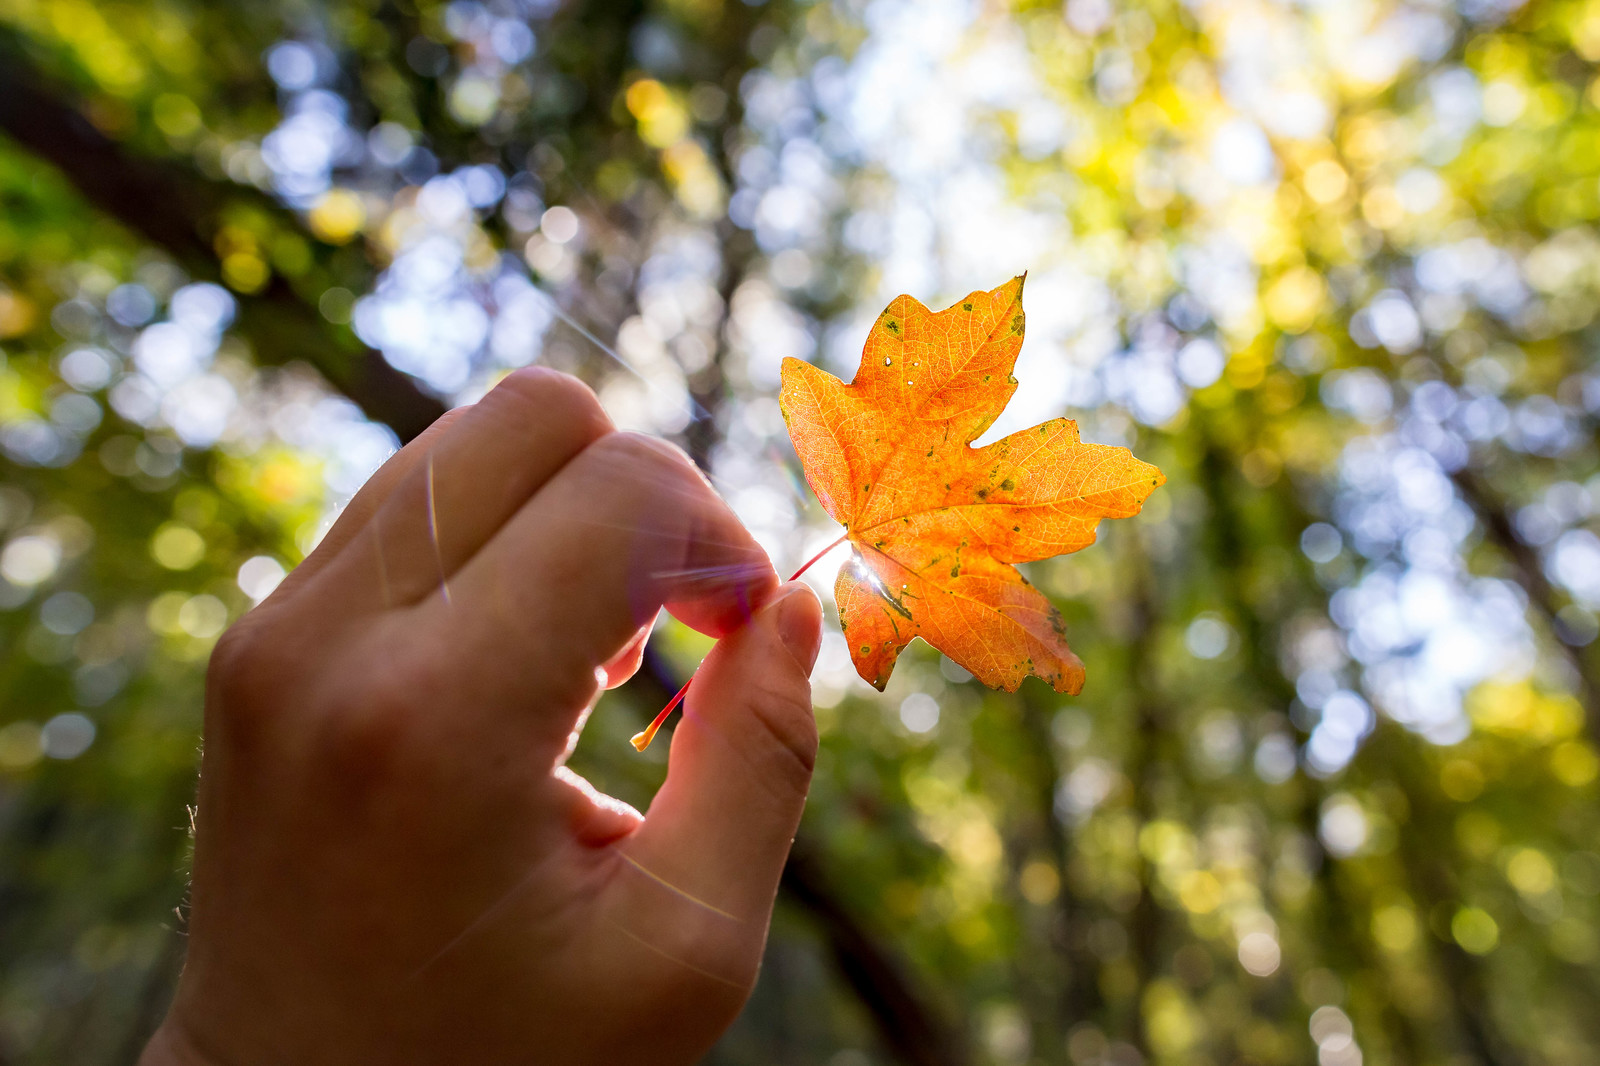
[642, 740]
[819, 555]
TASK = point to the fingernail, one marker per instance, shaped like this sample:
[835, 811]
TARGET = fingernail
[799, 622]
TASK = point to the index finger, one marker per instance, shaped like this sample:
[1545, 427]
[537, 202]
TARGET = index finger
[625, 528]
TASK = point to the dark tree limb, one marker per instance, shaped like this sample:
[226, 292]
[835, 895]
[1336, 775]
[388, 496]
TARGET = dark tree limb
[1148, 923]
[1079, 996]
[175, 208]
[911, 1029]
[1433, 885]
[1345, 937]
[1527, 572]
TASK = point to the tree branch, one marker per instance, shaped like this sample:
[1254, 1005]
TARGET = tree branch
[1527, 572]
[175, 207]
[1344, 937]
[1148, 925]
[1079, 996]
[1434, 884]
[911, 1029]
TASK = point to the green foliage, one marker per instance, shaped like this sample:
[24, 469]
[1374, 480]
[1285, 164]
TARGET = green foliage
[1329, 792]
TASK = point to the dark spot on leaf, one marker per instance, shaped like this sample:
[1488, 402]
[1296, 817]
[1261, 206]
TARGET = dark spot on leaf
[1016, 324]
[892, 326]
[899, 607]
[1008, 484]
[983, 494]
[1011, 379]
[1016, 529]
[966, 307]
[955, 571]
[866, 649]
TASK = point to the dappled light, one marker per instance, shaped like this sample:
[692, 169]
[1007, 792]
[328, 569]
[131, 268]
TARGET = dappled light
[1329, 791]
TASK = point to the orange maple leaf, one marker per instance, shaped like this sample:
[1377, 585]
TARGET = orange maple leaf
[936, 523]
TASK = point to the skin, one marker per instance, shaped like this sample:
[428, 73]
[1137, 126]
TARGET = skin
[392, 863]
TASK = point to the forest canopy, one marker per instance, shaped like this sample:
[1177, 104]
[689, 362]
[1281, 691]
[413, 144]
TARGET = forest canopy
[1329, 792]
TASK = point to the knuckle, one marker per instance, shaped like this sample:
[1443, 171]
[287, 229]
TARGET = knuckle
[245, 669]
[231, 656]
[358, 748]
[359, 744]
[366, 720]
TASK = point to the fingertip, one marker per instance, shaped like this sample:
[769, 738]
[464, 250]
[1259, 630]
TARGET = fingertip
[595, 818]
[623, 665]
[798, 618]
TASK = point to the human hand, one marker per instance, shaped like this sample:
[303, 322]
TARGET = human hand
[392, 864]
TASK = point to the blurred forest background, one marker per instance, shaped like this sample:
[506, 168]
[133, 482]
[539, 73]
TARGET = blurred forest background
[1329, 795]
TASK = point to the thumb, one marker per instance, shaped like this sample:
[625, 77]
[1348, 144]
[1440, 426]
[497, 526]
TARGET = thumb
[720, 827]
